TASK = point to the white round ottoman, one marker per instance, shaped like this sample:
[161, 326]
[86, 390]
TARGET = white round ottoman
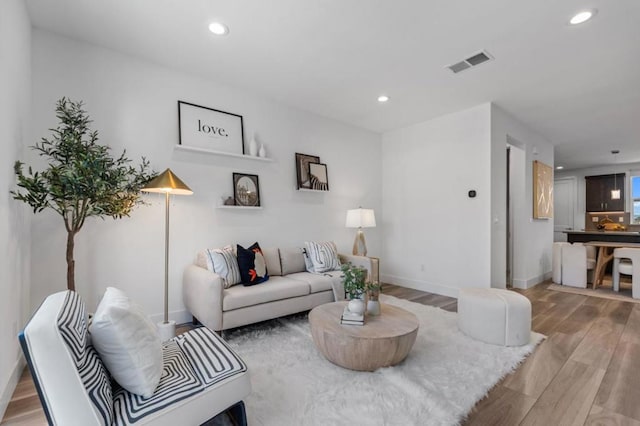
[496, 316]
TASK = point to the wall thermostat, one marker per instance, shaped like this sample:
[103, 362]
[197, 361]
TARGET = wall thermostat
[472, 194]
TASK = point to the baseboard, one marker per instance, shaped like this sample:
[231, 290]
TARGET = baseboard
[180, 317]
[531, 282]
[8, 390]
[420, 285]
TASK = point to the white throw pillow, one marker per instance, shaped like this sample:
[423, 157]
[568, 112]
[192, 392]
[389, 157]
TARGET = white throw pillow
[224, 263]
[324, 256]
[128, 343]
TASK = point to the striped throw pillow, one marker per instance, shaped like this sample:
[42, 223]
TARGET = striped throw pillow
[224, 263]
[324, 256]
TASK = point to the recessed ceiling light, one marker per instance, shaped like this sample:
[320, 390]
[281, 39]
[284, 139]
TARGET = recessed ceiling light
[559, 167]
[383, 98]
[218, 28]
[581, 17]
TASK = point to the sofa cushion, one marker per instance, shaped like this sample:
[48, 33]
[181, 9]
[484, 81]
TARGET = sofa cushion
[292, 260]
[272, 258]
[253, 267]
[317, 282]
[276, 288]
[323, 255]
[128, 343]
[224, 263]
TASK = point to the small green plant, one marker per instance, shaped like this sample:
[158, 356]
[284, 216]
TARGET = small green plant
[82, 178]
[354, 280]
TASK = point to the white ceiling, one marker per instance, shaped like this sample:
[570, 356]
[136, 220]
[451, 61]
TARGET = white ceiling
[577, 85]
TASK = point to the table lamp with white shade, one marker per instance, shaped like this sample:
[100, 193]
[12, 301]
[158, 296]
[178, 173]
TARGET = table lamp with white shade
[167, 183]
[360, 218]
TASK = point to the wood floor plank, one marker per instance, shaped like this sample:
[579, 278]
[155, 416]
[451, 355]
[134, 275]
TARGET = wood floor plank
[568, 399]
[550, 320]
[502, 406]
[599, 344]
[36, 418]
[601, 417]
[540, 368]
[631, 332]
[620, 389]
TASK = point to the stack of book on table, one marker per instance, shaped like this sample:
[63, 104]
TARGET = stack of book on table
[349, 318]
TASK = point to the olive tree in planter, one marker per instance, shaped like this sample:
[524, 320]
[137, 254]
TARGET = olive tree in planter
[82, 178]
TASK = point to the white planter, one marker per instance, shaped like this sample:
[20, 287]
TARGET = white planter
[356, 306]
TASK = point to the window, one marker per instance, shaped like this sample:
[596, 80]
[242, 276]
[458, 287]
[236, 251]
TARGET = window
[635, 198]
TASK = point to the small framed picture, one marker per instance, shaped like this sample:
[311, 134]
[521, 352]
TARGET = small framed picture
[246, 190]
[211, 129]
[318, 176]
[302, 169]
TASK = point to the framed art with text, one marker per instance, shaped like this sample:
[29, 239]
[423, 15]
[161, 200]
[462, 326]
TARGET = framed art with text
[211, 129]
[246, 190]
[302, 169]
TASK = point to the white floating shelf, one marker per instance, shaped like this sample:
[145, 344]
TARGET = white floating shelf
[311, 190]
[240, 207]
[222, 153]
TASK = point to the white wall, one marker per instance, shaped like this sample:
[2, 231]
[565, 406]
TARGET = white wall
[533, 237]
[134, 105]
[15, 87]
[580, 174]
[436, 238]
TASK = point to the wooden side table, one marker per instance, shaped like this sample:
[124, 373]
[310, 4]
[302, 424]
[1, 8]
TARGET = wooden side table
[383, 341]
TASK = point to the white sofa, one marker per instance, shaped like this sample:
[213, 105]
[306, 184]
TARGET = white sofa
[290, 289]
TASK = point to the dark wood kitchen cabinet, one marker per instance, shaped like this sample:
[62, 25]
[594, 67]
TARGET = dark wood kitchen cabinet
[598, 193]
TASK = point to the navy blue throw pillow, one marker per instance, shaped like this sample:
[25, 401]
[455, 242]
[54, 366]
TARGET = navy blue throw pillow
[253, 268]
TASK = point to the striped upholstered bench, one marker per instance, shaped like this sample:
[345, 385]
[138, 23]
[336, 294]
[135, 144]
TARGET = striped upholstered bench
[201, 376]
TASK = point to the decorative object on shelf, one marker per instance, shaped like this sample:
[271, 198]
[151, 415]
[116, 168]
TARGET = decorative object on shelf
[229, 201]
[246, 189]
[318, 176]
[253, 147]
[360, 218]
[302, 169]
[167, 183]
[542, 191]
[75, 187]
[211, 129]
[262, 153]
[373, 295]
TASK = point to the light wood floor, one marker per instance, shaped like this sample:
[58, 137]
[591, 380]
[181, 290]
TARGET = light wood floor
[586, 372]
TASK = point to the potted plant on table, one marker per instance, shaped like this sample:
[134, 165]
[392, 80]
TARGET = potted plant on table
[354, 281]
[373, 293]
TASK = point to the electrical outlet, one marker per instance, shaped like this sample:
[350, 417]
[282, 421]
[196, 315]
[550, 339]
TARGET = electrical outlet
[621, 219]
[422, 267]
[594, 218]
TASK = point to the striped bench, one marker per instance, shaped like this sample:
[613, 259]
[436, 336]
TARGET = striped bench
[202, 376]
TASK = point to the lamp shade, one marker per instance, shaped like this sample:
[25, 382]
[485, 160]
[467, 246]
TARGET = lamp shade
[360, 218]
[167, 182]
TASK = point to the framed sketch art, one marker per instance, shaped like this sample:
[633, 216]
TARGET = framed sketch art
[318, 176]
[246, 190]
[211, 129]
[302, 169]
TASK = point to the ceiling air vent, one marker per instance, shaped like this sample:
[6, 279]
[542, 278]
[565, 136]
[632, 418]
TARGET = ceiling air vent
[471, 61]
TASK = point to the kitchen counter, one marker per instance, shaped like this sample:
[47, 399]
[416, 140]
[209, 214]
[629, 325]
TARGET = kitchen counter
[614, 236]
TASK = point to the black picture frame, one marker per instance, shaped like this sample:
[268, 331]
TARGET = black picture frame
[210, 129]
[302, 169]
[318, 176]
[246, 190]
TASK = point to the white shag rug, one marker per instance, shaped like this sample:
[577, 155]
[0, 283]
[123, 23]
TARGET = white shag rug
[440, 381]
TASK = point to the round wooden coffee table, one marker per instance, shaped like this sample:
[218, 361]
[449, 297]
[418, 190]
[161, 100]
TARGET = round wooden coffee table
[384, 340]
